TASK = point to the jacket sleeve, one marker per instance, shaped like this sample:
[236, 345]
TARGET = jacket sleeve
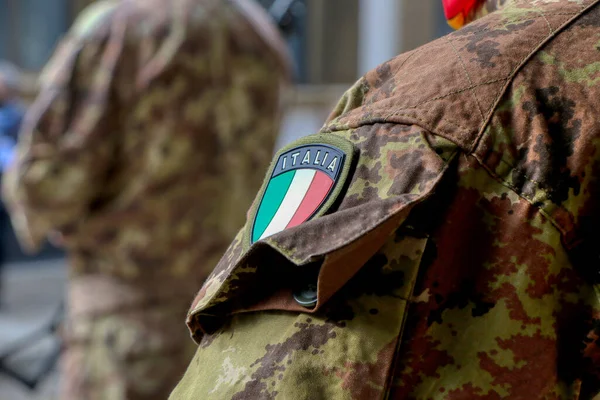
[65, 144]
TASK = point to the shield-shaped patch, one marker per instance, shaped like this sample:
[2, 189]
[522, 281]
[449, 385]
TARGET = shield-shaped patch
[304, 180]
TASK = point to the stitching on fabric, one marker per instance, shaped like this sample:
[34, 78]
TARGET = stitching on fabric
[536, 49]
[425, 124]
[513, 168]
[468, 77]
[500, 94]
[416, 51]
[541, 12]
[542, 209]
[499, 24]
[384, 119]
[454, 92]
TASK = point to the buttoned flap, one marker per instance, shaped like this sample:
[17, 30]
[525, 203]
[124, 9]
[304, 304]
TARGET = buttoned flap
[343, 350]
[395, 169]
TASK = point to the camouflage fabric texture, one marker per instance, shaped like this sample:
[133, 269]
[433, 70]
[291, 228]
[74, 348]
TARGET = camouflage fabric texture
[461, 262]
[142, 154]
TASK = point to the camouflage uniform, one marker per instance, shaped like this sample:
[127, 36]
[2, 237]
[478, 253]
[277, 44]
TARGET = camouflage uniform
[142, 154]
[461, 260]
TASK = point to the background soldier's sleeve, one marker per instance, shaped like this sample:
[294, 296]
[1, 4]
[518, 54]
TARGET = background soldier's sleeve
[66, 139]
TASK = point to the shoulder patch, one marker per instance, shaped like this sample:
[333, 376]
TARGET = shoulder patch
[303, 182]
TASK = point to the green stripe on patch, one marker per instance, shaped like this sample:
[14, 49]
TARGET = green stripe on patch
[330, 154]
[272, 199]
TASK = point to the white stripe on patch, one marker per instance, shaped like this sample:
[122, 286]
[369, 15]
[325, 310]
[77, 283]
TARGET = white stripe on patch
[292, 200]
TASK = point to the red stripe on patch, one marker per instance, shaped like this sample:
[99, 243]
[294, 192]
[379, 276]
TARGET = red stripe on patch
[318, 190]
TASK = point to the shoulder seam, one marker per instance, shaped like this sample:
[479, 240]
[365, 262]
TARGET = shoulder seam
[523, 62]
[540, 204]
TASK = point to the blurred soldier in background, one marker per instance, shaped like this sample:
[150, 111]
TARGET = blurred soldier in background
[141, 154]
[450, 249]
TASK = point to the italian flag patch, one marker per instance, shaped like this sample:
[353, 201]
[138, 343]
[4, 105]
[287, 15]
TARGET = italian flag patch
[303, 182]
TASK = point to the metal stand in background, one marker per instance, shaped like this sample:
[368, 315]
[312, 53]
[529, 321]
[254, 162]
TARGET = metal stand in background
[46, 365]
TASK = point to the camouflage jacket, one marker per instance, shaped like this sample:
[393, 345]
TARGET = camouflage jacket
[148, 139]
[460, 259]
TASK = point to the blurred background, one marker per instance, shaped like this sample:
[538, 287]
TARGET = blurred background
[333, 42]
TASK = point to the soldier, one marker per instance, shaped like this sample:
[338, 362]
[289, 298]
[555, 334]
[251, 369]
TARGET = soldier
[449, 252]
[141, 155]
